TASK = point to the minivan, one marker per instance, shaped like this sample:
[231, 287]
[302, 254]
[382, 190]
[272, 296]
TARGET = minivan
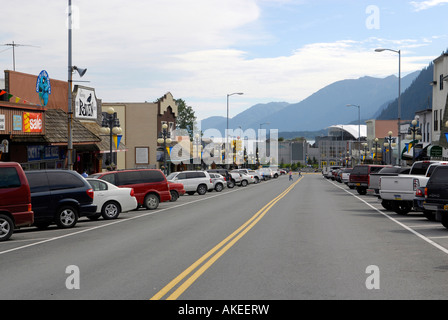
[59, 196]
[150, 185]
[15, 200]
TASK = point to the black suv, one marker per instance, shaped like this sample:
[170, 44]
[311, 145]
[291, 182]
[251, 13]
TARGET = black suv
[59, 196]
[436, 194]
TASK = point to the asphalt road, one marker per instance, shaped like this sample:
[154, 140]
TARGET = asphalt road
[278, 240]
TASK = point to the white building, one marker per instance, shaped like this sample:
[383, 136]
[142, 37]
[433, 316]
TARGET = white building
[439, 102]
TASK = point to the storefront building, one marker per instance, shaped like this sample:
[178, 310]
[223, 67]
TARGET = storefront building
[34, 124]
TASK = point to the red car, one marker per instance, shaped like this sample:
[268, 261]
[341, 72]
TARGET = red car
[176, 190]
[150, 185]
[15, 199]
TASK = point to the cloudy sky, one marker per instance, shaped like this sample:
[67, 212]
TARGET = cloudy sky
[202, 50]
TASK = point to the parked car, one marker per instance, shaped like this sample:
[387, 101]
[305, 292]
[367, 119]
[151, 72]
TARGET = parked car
[59, 196]
[436, 194]
[193, 181]
[15, 200]
[176, 190]
[111, 200]
[399, 191]
[219, 182]
[327, 172]
[150, 185]
[255, 177]
[360, 175]
[345, 175]
[246, 178]
[225, 173]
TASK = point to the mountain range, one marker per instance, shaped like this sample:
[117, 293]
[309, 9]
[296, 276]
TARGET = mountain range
[322, 109]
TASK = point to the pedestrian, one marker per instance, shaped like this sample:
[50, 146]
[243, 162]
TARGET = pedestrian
[84, 174]
[300, 173]
[290, 176]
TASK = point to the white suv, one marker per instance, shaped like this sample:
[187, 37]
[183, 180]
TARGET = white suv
[193, 181]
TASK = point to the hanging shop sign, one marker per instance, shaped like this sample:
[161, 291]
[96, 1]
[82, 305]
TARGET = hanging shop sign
[32, 122]
[86, 106]
[43, 87]
[17, 123]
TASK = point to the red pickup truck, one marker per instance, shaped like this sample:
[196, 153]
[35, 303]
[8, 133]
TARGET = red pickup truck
[359, 177]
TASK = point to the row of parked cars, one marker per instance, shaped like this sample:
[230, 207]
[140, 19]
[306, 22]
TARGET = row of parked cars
[423, 187]
[44, 197]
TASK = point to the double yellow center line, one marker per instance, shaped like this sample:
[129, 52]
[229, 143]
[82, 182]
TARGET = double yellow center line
[214, 254]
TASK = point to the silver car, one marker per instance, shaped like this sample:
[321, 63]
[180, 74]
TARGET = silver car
[219, 182]
[193, 181]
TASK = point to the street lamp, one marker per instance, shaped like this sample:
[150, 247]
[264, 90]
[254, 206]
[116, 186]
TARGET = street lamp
[399, 94]
[414, 133]
[388, 143]
[81, 73]
[111, 126]
[164, 139]
[359, 128]
[375, 150]
[227, 136]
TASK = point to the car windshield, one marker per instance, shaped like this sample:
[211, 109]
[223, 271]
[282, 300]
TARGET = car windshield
[171, 176]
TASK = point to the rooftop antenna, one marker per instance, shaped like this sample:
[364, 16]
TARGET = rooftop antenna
[13, 45]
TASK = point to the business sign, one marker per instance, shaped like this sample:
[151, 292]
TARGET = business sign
[2, 122]
[17, 123]
[86, 106]
[43, 87]
[32, 122]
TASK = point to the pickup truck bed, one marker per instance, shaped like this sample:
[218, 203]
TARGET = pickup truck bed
[398, 192]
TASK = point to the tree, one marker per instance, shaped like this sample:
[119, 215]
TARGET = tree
[186, 118]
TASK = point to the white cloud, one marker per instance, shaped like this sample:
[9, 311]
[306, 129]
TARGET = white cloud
[424, 5]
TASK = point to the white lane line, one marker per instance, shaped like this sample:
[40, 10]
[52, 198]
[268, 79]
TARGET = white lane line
[120, 221]
[428, 240]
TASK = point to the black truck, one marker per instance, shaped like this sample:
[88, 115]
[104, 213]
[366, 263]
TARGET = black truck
[436, 194]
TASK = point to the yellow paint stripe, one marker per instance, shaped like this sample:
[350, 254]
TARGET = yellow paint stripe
[236, 235]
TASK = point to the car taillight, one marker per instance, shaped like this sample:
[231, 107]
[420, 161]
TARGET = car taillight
[29, 207]
[426, 192]
[90, 193]
[211, 181]
[419, 193]
[132, 192]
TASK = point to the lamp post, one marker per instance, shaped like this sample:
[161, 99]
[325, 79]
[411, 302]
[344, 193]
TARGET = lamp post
[111, 126]
[81, 73]
[399, 95]
[164, 139]
[375, 151]
[388, 143]
[198, 149]
[227, 136]
[359, 129]
[414, 133]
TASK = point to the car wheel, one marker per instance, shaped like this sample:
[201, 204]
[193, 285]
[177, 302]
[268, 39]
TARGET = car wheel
[231, 184]
[174, 196]
[430, 215]
[401, 207]
[386, 205]
[6, 227]
[111, 210]
[219, 187]
[257, 180]
[361, 191]
[66, 217]
[202, 189]
[244, 183]
[445, 220]
[151, 202]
